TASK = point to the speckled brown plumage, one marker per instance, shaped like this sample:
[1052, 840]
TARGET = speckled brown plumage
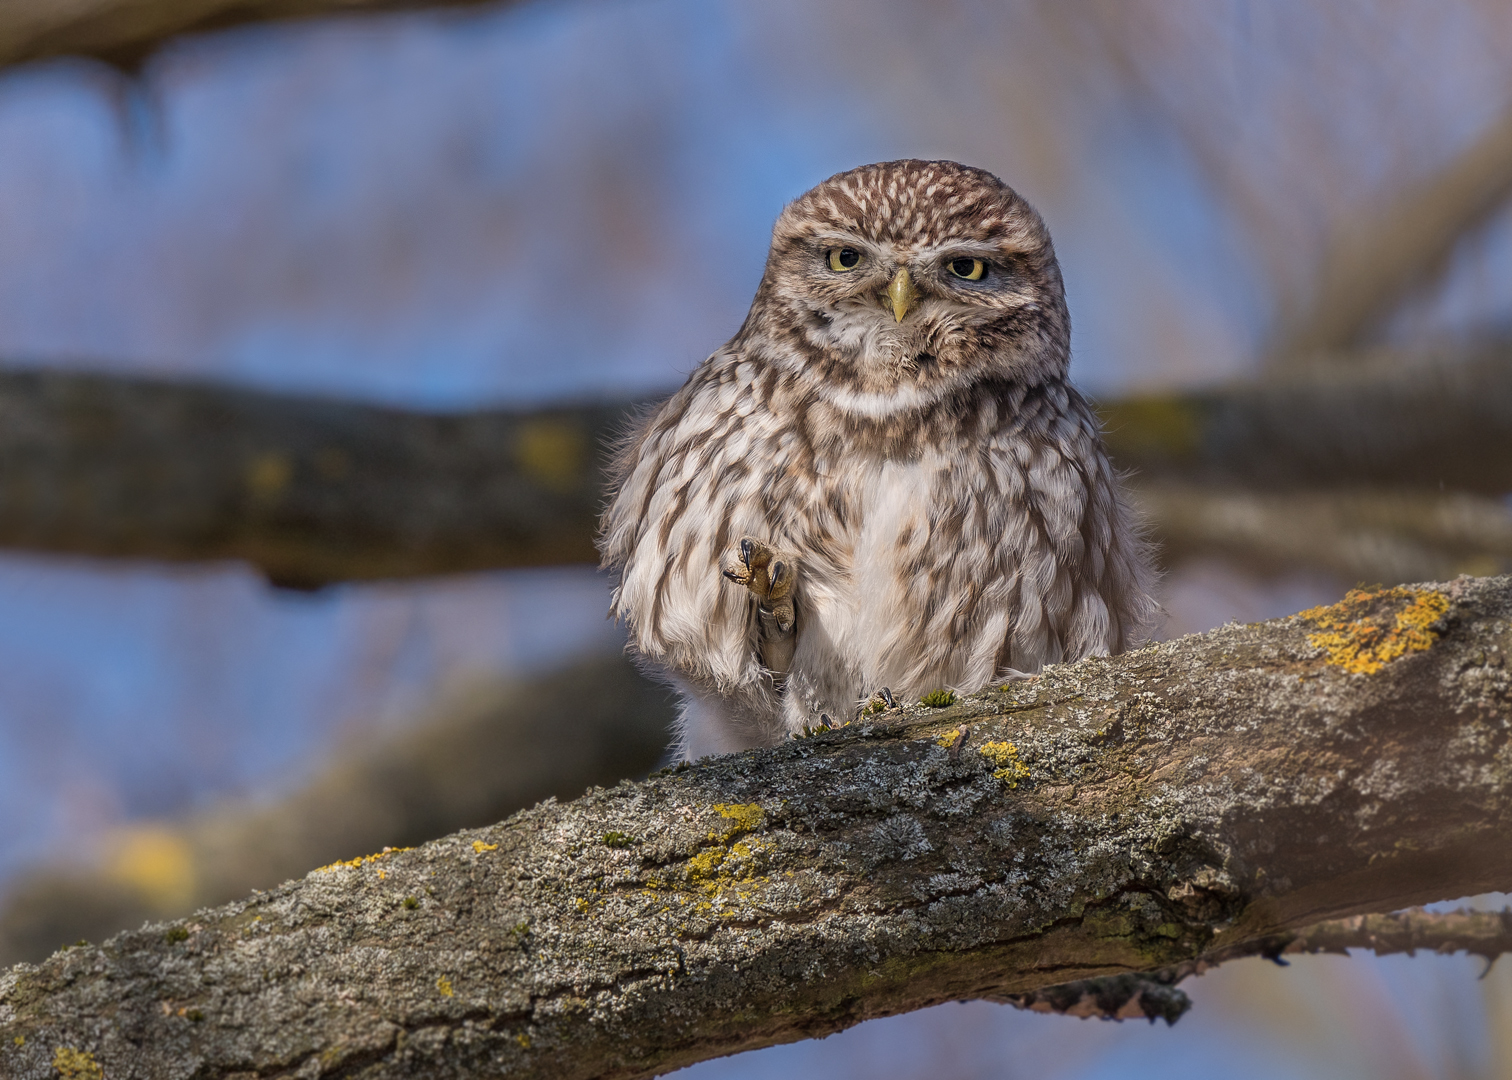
[916, 459]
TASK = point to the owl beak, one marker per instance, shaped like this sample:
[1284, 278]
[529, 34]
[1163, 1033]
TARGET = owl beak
[902, 293]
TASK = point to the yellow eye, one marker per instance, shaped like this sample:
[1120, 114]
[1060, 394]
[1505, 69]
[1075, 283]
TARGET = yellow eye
[969, 269]
[843, 259]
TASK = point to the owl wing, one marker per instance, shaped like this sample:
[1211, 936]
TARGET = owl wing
[691, 481]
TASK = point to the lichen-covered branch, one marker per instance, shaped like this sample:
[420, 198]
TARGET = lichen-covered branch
[1113, 816]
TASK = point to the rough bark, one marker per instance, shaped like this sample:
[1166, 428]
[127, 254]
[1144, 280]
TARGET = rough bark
[1154, 995]
[123, 32]
[1112, 816]
[312, 490]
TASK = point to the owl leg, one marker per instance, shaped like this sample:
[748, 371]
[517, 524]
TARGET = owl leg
[770, 576]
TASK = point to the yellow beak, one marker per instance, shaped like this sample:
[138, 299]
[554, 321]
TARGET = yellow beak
[902, 293]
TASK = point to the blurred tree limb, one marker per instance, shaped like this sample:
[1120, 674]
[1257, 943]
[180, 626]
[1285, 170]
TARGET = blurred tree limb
[308, 490]
[1118, 815]
[1355, 534]
[123, 32]
[1380, 420]
[1378, 250]
[481, 754]
[1378, 257]
[312, 491]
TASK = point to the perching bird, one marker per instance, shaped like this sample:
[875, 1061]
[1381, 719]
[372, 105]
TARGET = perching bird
[884, 479]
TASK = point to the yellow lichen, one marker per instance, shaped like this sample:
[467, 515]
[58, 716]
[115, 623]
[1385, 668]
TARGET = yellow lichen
[75, 1064]
[716, 869]
[19, 1040]
[1367, 630]
[524, 1040]
[361, 860]
[480, 847]
[705, 865]
[744, 818]
[444, 985]
[1010, 770]
[952, 740]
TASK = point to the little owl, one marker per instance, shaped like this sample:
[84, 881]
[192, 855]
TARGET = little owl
[884, 479]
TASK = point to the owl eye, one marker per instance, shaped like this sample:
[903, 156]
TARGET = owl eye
[843, 259]
[969, 269]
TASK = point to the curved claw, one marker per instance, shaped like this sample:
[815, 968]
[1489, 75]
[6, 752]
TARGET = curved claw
[770, 577]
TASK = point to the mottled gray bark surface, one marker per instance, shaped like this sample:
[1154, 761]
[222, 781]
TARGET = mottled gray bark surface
[1116, 815]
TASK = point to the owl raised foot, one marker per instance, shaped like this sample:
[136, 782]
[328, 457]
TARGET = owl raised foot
[770, 576]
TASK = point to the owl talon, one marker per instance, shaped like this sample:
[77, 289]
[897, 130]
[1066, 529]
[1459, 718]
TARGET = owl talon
[780, 593]
[771, 578]
[769, 575]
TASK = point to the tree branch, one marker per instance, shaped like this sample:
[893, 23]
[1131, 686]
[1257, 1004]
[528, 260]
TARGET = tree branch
[1377, 258]
[312, 490]
[124, 32]
[1384, 420]
[1155, 996]
[308, 490]
[1113, 816]
[1356, 534]
[480, 755]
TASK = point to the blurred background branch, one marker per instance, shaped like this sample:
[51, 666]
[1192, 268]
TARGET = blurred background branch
[479, 755]
[1387, 471]
[308, 490]
[1154, 994]
[124, 32]
[1380, 255]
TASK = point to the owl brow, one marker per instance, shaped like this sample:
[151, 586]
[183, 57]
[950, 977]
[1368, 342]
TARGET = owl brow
[825, 241]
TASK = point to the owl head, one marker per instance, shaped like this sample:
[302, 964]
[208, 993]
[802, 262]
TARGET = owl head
[894, 285]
